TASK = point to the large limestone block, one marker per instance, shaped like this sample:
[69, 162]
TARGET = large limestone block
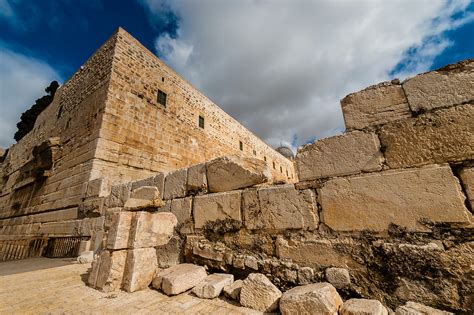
[350, 153]
[175, 184]
[317, 298]
[219, 206]
[197, 179]
[140, 269]
[108, 271]
[375, 105]
[212, 286]
[230, 173]
[182, 208]
[363, 307]
[119, 231]
[171, 253]
[405, 198]
[467, 178]
[450, 85]
[119, 194]
[413, 308]
[144, 197]
[279, 208]
[150, 229]
[179, 278]
[259, 293]
[441, 136]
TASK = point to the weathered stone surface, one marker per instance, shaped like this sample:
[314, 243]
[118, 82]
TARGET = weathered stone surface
[375, 105]
[363, 307]
[405, 198]
[467, 179]
[99, 187]
[441, 136]
[338, 277]
[233, 290]
[351, 153]
[108, 270]
[119, 231]
[305, 275]
[182, 208]
[150, 229]
[179, 278]
[413, 308]
[140, 269]
[170, 254]
[317, 298]
[144, 197]
[175, 184]
[279, 208]
[231, 172]
[450, 85]
[85, 257]
[197, 180]
[259, 293]
[119, 194]
[219, 206]
[212, 286]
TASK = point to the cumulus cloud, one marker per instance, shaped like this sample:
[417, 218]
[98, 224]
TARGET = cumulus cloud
[281, 67]
[22, 80]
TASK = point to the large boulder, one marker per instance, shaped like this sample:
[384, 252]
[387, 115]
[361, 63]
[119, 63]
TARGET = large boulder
[212, 286]
[230, 173]
[259, 293]
[363, 307]
[317, 298]
[179, 278]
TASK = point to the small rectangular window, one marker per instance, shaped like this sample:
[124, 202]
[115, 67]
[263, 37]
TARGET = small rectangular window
[201, 122]
[241, 146]
[162, 79]
[161, 97]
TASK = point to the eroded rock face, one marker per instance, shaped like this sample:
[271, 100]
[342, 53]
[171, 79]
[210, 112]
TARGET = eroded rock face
[140, 269]
[413, 308]
[259, 293]
[338, 277]
[317, 298]
[211, 287]
[363, 307]
[230, 173]
[179, 278]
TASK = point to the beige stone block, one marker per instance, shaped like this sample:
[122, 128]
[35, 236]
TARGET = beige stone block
[405, 198]
[219, 206]
[231, 172]
[175, 184]
[150, 229]
[279, 208]
[212, 286]
[119, 231]
[363, 307]
[107, 272]
[197, 180]
[140, 269]
[351, 153]
[182, 208]
[450, 85]
[208, 252]
[233, 291]
[467, 179]
[179, 278]
[92, 207]
[375, 105]
[413, 308]
[144, 197]
[99, 187]
[441, 136]
[119, 195]
[316, 298]
[259, 293]
[171, 253]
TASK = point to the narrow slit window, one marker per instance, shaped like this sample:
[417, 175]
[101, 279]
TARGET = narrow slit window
[281, 169]
[274, 165]
[161, 98]
[241, 146]
[201, 122]
[265, 158]
[162, 79]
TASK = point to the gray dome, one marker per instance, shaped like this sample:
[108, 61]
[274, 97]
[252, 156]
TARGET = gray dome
[286, 152]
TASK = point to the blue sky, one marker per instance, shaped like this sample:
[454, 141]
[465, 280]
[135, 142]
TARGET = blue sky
[278, 67]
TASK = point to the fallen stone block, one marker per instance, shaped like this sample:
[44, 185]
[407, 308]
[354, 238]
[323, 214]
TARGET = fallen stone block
[231, 173]
[438, 137]
[179, 278]
[144, 197]
[119, 230]
[413, 308]
[316, 298]
[197, 180]
[338, 277]
[219, 206]
[150, 229]
[374, 106]
[140, 269]
[363, 307]
[175, 184]
[351, 153]
[233, 290]
[450, 85]
[467, 179]
[212, 286]
[406, 198]
[259, 293]
[108, 270]
[279, 208]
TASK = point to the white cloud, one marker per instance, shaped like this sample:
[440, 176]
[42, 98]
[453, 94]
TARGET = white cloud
[281, 67]
[22, 80]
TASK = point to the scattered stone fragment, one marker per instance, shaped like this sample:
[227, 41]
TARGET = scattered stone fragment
[338, 277]
[144, 197]
[413, 308]
[317, 298]
[211, 287]
[85, 257]
[150, 229]
[251, 262]
[259, 293]
[233, 291]
[179, 278]
[140, 269]
[231, 172]
[305, 275]
[363, 307]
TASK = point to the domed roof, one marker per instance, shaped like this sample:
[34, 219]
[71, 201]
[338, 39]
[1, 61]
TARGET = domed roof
[286, 152]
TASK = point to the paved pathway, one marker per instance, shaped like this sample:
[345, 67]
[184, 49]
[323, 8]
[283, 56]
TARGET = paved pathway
[56, 286]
